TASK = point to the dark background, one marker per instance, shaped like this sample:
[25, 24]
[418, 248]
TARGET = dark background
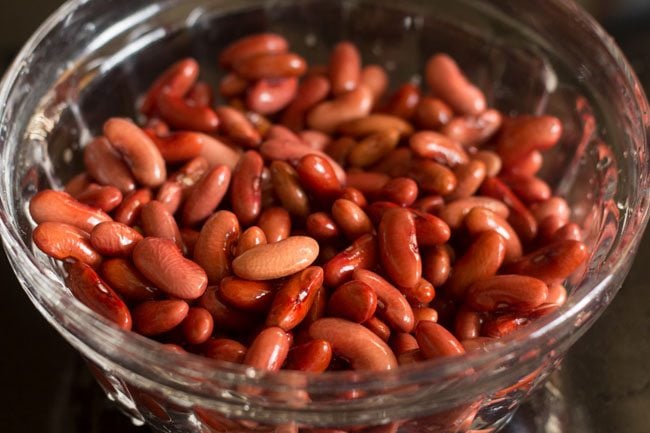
[602, 387]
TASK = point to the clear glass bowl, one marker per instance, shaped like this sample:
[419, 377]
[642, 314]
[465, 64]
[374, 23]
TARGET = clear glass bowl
[93, 58]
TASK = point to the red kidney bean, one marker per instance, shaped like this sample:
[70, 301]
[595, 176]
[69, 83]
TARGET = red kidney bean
[391, 303]
[422, 294]
[344, 68]
[491, 160]
[554, 206]
[362, 348]
[467, 325]
[482, 260]
[288, 189]
[105, 198]
[351, 219]
[378, 327]
[162, 263]
[435, 341]
[354, 195]
[433, 178]
[313, 356]
[455, 212]
[159, 223]
[322, 227]
[569, 231]
[170, 195]
[524, 134]
[88, 287]
[439, 147]
[530, 189]
[65, 242]
[104, 165]
[430, 230]
[250, 238]
[114, 239]
[447, 81]
[401, 191]
[411, 357]
[275, 222]
[424, 314]
[473, 130]
[432, 113]
[217, 152]
[312, 90]
[340, 148]
[198, 325]
[158, 317]
[354, 301]
[276, 260]
[376, 79]
[368, 182]
[206, 195]
[557, 294]
[480, 220]
[317, 175]
[252, 45]
[269, 96]
[213, 249]
[404, 102]
[177, 80]
[125, 279]
[470, 176]
[287, 150]
[270, 65]
[139, 151]
[436, 265]
[521, 219]
[178, 146]
[398, 247]
[225, 317]
[327, 116]
[57, 206]
[374, 124]
[200, 94]
[182, 114]
[396, 163]
[157, 126]
[224, 349]
[362, 254]
[237, 127]
[129, 210]
[245, 189]
[246, 295]
[269, 349]
[514, 292]
[402, 342]
[294, 298]
[552, 263]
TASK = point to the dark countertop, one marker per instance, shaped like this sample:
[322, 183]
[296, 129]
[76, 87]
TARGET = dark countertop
[602, 387]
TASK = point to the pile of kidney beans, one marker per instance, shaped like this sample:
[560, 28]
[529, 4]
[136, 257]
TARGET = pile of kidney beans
[307, 220]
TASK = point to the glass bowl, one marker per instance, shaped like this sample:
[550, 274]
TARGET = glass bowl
[92, 59]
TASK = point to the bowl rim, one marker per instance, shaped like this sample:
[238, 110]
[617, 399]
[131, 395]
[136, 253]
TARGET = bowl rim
[147, 352]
